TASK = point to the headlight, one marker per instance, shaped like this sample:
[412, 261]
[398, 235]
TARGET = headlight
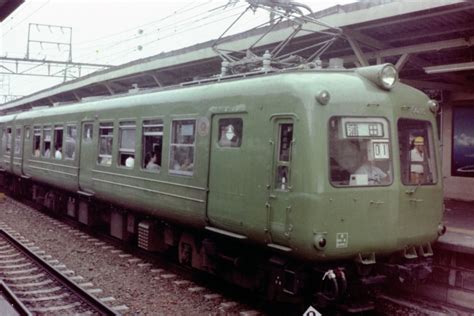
[385, 76]
[388, 77]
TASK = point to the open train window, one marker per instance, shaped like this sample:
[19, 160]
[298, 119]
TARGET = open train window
[36, 141]
[18, 141]
[359, 151]
[46, 153]
[230, 132]
[152, 144]
[182, 145]
[106, 138]
[58, 142]
[127, 130]
[417, 153]
[70, 142]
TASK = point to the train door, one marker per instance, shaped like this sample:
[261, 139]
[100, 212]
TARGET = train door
[26, 142]
[279, 204]
[88, 156]
[230, 175]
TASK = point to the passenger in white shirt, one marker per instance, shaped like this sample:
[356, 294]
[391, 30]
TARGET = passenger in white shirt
[58, 154]
[417, 157]
[130, 162]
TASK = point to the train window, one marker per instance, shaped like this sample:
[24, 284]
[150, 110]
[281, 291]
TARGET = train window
[152, 144]
[127, 132]
[70, 142]
[230, 132]
[182, 147]
[58, 142]
[18, 141]
[88, 132]
[359, 151]
[417, 152]
[46, 142]
[8, 143]
[36, 141]
[285, 141]
[27, 132]
[106, 138]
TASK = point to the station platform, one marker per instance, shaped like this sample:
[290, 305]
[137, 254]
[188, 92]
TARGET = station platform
[452, 280]
[459, 220]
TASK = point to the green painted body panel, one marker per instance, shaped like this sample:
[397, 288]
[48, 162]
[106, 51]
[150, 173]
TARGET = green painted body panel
[233, 188]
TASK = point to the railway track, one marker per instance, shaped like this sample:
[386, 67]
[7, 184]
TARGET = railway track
[206, 290]
[41, 288]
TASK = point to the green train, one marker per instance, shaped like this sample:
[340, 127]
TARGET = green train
[291, 183]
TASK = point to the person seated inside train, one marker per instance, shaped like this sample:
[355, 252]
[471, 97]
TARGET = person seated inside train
[58, 154]
[130, 162]
[187, 165]
[37, 152]
[375, 175]
[152, 162]
[105, 161]
[47, 153]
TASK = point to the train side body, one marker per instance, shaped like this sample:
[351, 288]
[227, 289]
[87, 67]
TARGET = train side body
[235, 189]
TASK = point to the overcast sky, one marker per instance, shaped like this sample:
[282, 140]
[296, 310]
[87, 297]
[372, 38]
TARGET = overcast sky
[116, 31]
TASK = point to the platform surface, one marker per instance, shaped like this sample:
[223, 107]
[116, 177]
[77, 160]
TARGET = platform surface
[459, 220]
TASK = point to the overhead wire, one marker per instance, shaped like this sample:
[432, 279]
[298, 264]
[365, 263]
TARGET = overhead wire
[27, 17]
[117, 43]
[177, 30]
[177, 12]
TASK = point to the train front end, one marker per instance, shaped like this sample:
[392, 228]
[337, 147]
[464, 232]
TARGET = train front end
[380, 204]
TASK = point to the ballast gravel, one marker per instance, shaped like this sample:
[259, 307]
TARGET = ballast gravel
[144, 289]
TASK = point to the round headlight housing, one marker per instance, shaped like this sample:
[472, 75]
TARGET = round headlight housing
[388, 76]
[385, 76]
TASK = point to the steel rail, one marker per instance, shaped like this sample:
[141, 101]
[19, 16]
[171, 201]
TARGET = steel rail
[96, 306]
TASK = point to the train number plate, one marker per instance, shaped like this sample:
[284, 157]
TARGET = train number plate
[380, 150]
[342, 240]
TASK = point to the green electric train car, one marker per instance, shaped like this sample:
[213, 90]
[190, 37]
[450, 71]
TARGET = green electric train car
[290, 183]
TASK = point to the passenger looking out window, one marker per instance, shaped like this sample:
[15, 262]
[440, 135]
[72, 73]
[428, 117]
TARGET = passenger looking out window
[106, 137]
[127, 144]
[182, 147]
[152, 144]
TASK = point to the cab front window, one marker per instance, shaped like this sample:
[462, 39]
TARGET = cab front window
[359, 152]
[417, 155]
